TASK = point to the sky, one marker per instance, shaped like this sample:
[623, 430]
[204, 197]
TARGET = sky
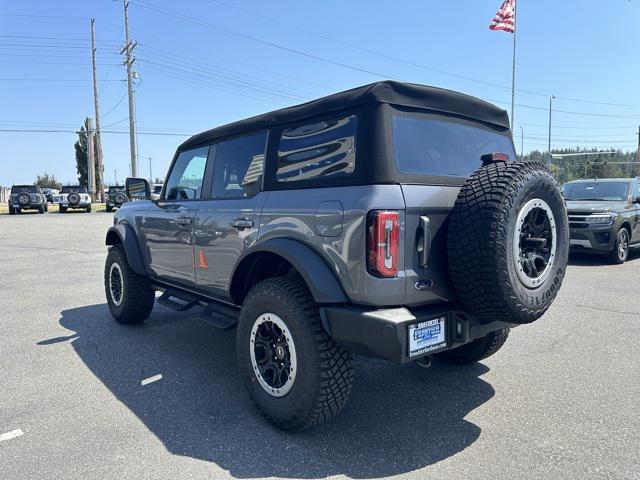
[204, 63]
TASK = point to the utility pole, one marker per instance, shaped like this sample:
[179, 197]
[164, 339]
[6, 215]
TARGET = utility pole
[100, 170]
[638, 152]
[550, 110]
[91, 173]
[115, 177]
[521, 143]
[128, 51]
[150, 172]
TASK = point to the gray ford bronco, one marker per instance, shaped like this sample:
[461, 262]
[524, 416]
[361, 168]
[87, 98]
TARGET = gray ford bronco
[387, 221]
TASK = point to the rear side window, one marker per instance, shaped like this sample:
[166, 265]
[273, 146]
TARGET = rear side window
[238, 166]
[185, 181]
[426, 146]
[320, 149]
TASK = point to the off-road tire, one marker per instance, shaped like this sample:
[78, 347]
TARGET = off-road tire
[89, 209]
[481, 239]
[137, 295]
[109, 208]
[324, 371]
[615, 256]
[476, 350]
[62, 210]
[41, 208]
[11, 210]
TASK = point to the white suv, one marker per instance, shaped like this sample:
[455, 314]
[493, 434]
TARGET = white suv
[74, 197]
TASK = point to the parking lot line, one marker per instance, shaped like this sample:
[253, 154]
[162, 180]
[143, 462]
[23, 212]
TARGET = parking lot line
[11, 434]
[149, 380]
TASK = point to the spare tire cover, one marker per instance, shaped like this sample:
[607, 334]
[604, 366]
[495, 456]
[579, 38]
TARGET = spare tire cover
[73, 198]
[508, 242]
[24, 199]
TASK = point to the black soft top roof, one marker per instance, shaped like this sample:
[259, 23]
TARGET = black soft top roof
[388, 91]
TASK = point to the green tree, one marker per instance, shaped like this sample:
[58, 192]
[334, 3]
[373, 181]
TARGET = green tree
[47, 181]
[81, 155]
[618, 164]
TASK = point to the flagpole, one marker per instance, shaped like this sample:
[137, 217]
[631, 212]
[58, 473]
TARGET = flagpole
[513, 73]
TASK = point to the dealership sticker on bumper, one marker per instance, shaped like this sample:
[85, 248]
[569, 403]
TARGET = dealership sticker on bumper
[426, 336]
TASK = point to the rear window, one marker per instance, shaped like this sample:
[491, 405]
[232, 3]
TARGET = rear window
[320, 149]
[73, 190]
[426, 146]
[24, 188]
[115, 189]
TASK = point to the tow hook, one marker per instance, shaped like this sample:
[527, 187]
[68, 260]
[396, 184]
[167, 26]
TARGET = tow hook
[424, 362]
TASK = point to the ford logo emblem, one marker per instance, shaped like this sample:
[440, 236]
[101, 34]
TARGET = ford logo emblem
[422, 285]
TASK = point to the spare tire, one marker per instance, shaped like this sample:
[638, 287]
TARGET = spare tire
[24, 199]
[73, 199]
[508, 242]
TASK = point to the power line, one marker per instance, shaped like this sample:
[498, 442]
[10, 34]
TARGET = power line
[408, 62]
[228, 31]
[42, 16]
[49, 79]
[116, 123]
[222, 79]
[123, 132]
[116, 105]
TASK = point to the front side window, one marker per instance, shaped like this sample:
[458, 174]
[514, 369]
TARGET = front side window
[603, 191]
[424, 145]
[185, 181]
[321, 149]
[238, 166]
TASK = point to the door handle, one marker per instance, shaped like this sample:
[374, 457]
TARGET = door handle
[241, 223]
[182, 221]
[423, 253]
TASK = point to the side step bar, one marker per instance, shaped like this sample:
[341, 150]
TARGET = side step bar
[178, 301]
[214, 313]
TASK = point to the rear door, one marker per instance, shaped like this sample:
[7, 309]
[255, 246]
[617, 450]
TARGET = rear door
[168, 228]
[227, 223]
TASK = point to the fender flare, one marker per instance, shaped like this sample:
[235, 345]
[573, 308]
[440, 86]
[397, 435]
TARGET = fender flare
[126, 235]
[321, 280]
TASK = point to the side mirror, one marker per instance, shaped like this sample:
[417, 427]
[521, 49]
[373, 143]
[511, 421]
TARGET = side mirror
[137, 188]
[636, 199]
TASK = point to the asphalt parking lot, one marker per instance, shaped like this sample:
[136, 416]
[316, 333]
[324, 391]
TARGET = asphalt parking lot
[560, 400]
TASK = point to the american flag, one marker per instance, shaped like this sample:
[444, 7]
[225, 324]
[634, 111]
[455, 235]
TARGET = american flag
[505, 19]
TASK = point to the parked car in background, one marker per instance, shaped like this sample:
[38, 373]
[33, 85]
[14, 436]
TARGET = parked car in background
[75, 197]
[604, 216]
[156, 190]
[115, 197]
[26, 197]
[51, 194]
[387, 221]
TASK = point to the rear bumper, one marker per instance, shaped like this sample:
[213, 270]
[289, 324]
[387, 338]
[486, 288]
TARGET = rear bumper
[31, 206]
[74, 205]
[384, 333]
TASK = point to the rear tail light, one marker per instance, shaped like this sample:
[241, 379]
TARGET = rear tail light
[383, 243]
[494, 158]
